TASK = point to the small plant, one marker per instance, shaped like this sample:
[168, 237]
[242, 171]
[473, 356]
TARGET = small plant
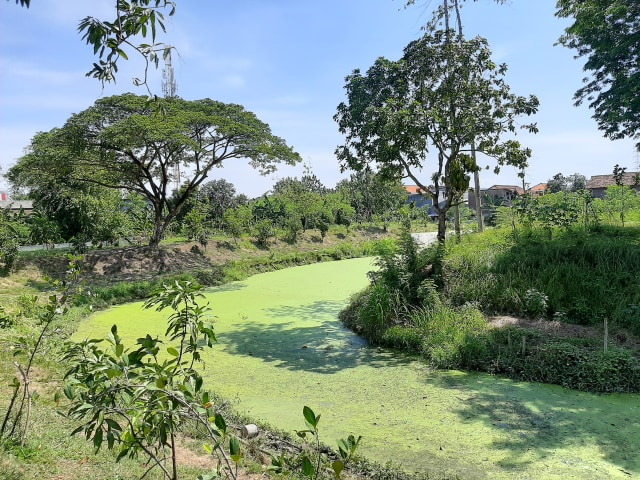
[263, 231]
[57, 306]
[6, 320]
[137, 399]
[535, 303]
[313, 462]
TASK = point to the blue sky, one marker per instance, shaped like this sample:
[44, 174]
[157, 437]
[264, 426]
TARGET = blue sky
[286, 60]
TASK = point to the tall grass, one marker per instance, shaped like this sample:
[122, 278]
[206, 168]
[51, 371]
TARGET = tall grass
[577, 276]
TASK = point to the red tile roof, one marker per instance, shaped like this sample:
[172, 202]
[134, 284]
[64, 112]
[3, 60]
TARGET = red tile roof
[413, 189]
[541, 187]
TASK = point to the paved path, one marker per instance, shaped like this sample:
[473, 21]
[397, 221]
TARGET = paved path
[425, 239]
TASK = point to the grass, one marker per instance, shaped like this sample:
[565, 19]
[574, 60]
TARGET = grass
[580, 277]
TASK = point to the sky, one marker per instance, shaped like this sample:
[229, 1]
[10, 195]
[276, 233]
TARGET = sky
[286, 61]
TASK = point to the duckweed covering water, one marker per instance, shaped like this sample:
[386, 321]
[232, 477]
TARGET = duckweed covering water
[280, 347]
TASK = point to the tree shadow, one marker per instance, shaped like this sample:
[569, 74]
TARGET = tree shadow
[226, 245]
[533, 421]
[316, 342]
[229, 287]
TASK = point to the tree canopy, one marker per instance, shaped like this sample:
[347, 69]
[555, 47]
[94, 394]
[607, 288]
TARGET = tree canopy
[607, 33]
[122, 142]
[572, 183]
[441, 94]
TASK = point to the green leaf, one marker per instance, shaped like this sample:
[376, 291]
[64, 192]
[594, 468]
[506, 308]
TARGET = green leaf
[234, 449]
[110, 440]
[97, 440]
[113, 425]
[310, 417]
[307, 467]
[220, 423]
[122, 454]
[173, 351]
[338, 466]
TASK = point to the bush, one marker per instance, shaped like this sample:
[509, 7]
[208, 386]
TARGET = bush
[581, 365]
[587, 276]
[371, 312]
[8, 250]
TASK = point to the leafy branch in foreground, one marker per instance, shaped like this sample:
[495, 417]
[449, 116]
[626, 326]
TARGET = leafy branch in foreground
[137, 400]
[109, 39]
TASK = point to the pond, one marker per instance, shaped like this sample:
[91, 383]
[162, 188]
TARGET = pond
[280, 347]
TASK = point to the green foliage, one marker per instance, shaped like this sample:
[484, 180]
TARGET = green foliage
[18, 412]
[237, 221]
[312, 462]
[578, 365]
[263, 230]
[109, 40]
[619, 204]
[9, 245]
[520, 275]
[432, 303]
[368, 195]
[398, 286]
[394, 114]
[606, 33]
[195, 225]
[108, 144]
[135, 400]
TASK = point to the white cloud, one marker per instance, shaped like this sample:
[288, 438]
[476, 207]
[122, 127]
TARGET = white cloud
[234, 81]
[21, 71]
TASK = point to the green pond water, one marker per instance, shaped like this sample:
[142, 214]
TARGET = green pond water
[280, 347]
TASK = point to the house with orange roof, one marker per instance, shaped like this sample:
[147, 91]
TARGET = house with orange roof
[538, 190]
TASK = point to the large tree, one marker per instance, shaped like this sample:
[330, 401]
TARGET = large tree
[370, 195]
[607, 33]
[441, 95]
[123, 142]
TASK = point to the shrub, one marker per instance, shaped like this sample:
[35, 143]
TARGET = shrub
[372, 311]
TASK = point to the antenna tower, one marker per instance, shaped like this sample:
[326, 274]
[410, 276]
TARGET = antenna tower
[169, 89]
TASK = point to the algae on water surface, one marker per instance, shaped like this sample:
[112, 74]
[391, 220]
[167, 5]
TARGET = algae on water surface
[280, 347]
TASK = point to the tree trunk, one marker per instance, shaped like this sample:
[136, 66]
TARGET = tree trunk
[476, 189]
[442, 226]
[158, 232]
